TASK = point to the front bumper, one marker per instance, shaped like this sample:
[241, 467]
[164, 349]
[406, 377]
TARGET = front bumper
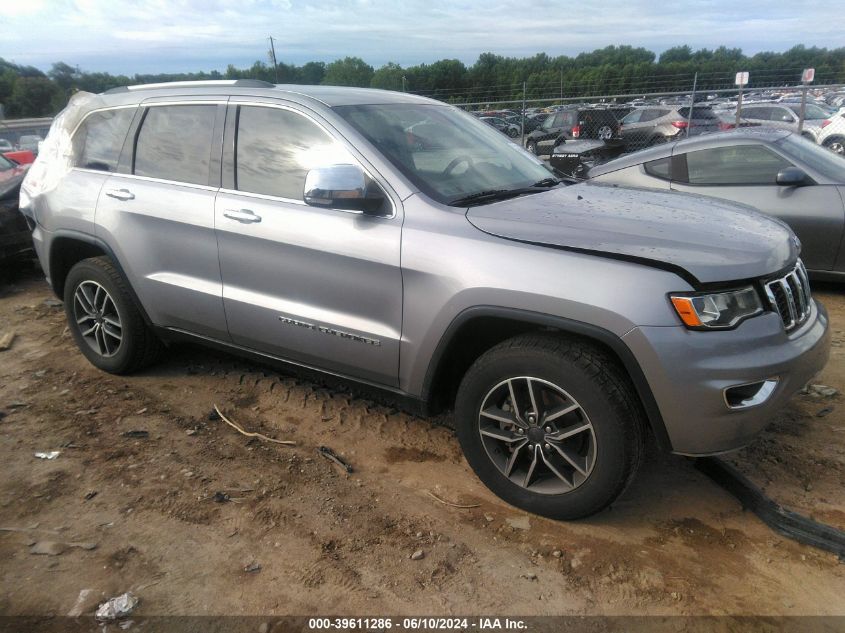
[688, 372]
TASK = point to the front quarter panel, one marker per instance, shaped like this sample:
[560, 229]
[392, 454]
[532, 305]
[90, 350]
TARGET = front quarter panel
[449, 266]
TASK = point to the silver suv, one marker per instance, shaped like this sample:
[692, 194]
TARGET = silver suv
[401, 243]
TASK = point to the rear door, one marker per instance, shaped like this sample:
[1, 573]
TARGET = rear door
[318, 286]
[747, 174]
[157, 213]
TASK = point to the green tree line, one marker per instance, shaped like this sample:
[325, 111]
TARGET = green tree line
[26, 91]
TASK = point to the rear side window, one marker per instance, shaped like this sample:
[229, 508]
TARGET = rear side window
[697, 113]
[660, 168]
[761, 114]
[735, 165]
[275, 148]
[174, 143]
[98, 141]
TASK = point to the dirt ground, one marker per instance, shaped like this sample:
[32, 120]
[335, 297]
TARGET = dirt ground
[141, 462]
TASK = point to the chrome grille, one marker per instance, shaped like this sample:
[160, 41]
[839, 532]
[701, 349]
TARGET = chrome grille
[789, 296]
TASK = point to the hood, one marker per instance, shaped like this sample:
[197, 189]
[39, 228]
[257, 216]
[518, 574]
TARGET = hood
[703, 239]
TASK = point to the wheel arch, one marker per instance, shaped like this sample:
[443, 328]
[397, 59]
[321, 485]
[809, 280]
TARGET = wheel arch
[477, 329]
[68, 248]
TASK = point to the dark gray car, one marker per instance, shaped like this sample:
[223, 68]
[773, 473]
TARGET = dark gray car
[775, 171]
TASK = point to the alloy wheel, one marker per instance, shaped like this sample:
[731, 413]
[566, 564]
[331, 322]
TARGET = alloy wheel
[537, 435]
[97, 318]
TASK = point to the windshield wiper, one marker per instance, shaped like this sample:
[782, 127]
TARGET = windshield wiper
[492, 195]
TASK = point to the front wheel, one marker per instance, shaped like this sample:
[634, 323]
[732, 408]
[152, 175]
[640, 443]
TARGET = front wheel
[532, 147]
[103, 319]
[836, 145]
[550, 425]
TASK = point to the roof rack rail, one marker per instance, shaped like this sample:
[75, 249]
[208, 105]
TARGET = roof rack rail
[235, 83]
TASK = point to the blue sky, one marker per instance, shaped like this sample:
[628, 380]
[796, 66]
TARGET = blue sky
[189, 35]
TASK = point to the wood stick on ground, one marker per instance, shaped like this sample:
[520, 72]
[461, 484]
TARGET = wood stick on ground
[242, 431]
[449, 503]
[6, 340]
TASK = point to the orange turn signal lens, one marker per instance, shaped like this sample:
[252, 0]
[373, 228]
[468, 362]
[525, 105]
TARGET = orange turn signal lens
[683, 306]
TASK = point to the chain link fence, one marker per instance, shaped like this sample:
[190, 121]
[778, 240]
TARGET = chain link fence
[577, 125]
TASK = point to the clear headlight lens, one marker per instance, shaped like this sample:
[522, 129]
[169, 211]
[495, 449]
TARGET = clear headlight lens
[717, 310]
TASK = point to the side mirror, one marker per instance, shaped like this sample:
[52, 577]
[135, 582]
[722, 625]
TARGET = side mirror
[342, 187]
[791, 177]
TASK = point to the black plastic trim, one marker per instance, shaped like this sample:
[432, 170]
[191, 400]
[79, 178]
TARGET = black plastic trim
[588, 330]
[783, 521]
[95, 241]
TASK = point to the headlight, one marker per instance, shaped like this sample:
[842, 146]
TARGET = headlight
[717, 310]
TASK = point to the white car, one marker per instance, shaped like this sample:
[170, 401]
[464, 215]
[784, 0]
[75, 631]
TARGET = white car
[832, 134]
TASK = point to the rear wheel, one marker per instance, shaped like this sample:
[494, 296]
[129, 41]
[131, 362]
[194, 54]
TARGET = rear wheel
[104, 321]
[532, 147]
[550, 425]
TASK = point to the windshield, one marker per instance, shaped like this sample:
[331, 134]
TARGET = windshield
[824, 161]
[445, 152]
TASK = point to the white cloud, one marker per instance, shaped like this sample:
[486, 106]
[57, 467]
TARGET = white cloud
[172, 35]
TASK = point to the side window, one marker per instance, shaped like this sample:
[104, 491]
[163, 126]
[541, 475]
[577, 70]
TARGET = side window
[98, 141]
[735, 165]
[783, 115]
[660, 168]
[633, 117]
[759, 114]
[174, 143]
[275, 148]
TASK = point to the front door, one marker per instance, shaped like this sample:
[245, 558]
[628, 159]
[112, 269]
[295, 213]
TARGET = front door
[318, 286]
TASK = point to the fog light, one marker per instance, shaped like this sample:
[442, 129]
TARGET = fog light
[751, 394]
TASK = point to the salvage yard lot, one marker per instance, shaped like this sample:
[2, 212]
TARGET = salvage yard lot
[317, 540]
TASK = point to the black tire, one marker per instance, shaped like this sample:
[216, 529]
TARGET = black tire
[513, 132]
[657, 140]
[605, 396]
[531, 146]
[138, 346]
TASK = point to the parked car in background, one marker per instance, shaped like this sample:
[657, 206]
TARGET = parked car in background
[23, 157]
[6, 146]
[15, 235]
[29, 143]
[785, 117]
[572, 123]
[832, 134]
[775, 171]
[653, 125]
[503, 126]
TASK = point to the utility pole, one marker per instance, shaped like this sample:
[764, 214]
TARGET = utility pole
[522, 123]
[692, 102]
[561, 84]
[273, 57]
[403, 83]
[806, 77]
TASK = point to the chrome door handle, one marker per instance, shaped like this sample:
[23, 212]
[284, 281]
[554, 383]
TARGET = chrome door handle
[120, 194]
[245, 216]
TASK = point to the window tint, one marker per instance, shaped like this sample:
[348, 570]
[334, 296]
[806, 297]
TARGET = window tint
[633, 117]
[175, 143]
[659, 168]
[761, 114]
[697, 113]
[652, 114]
[735, 165]
[783, 115]
[5, 163]
[276, 148]
[98, 141]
